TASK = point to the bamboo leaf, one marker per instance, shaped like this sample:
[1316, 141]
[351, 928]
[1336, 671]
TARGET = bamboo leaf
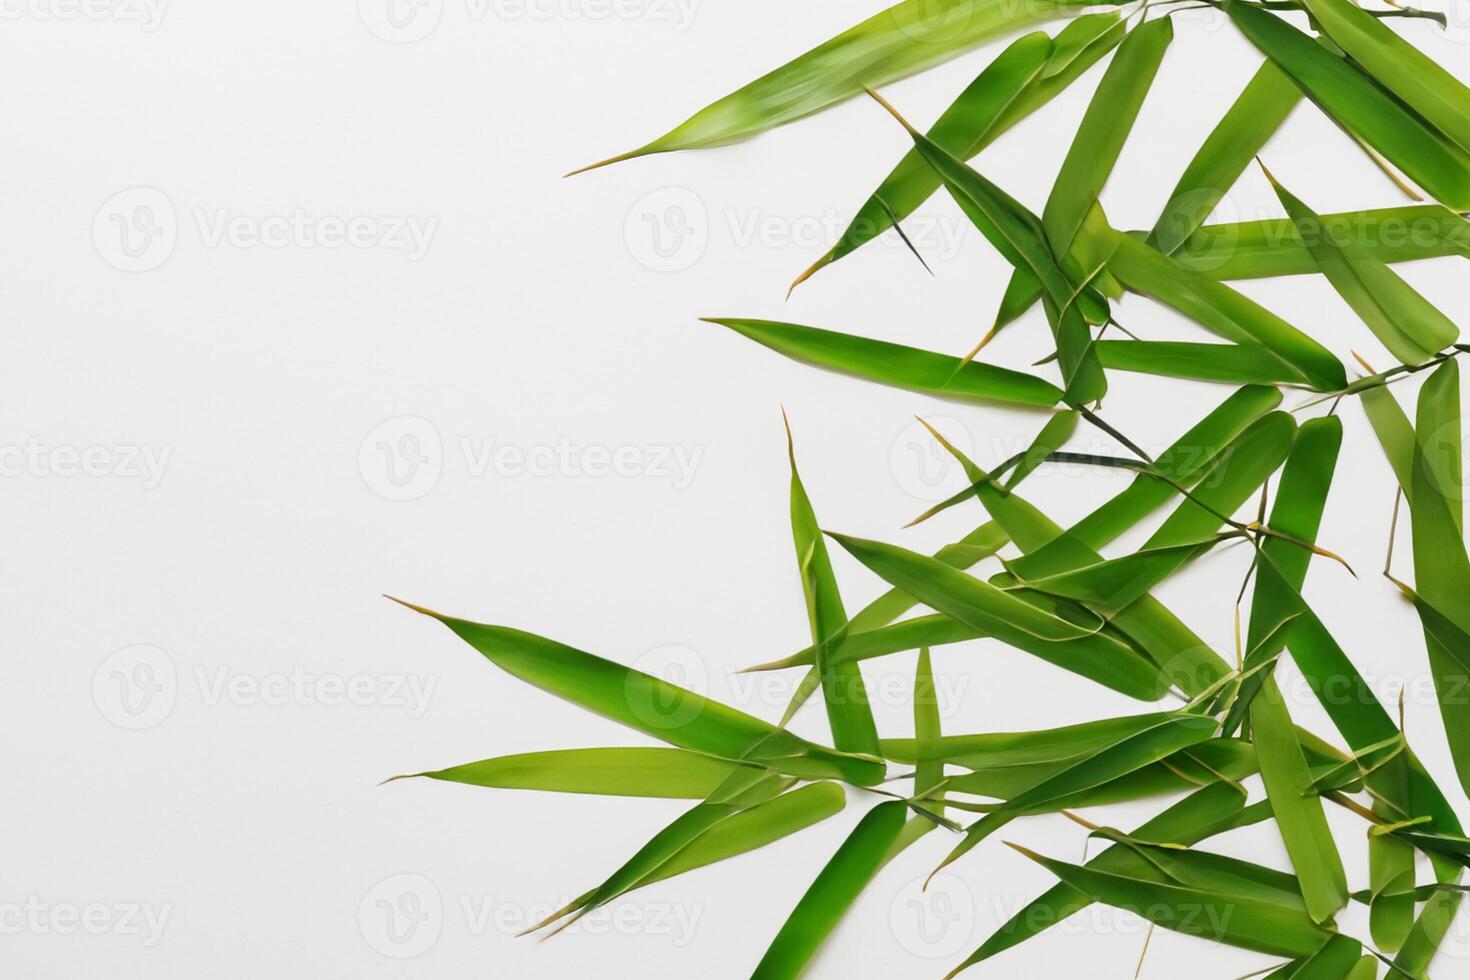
[1235, 363]
[832, 893]
[923, 371]
[1086, 651]
[755, 827]
[1402, 319]
[1223, 311]
[655, 772]
[1435, 94]
[904, 39]
[654, 706]
[845, 694]
[1367, 112]
[1103, 131]
[1268, 98]
[1195, 818]
[1250, 924]
[1018, 235]
[1271, 247]
[1130, 753]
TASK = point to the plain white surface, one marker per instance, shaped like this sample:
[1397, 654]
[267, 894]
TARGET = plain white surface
[379, 345]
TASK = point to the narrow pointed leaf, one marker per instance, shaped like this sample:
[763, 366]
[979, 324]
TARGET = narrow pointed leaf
[656, 707]
[1362, 108]
[832, 893]
[904, 39]
[1223, 311]
[1402, 319]
[893, 364]
[1268, 98]
[655, 772]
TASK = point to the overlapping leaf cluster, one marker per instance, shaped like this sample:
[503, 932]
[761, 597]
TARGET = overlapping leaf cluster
[1054, 595]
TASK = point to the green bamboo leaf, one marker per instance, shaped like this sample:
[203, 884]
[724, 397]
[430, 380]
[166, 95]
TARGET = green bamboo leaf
[1349, 700]
[654, 706]
[1390, 875]
[1441, 565]
[755, 827]
[911, 634]
[1223, 311]
[1188, 460]
[1110, 585]
[1235, 363]
[1133, 752]
[845, 693]
[1268, 98]
[744, 788]
[1199, 765]
[998, 750]
[1085, 651]
[1402, 319]
[1367, 112]
[962, 129]
[1299, 815]
[923, 371]
[1250, 924]
[1435, 94]
[1023, 78]
[1195, 818]
[655, 772]
[1271, 247]
[1183, 462]
[832, 893]
[1018, 235]
[929, 767]
[904, 39]
[1103, 131]
[1366, 969]
[1338, 959]
[1394, 431]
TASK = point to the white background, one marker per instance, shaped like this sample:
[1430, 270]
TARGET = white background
[263, 379]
